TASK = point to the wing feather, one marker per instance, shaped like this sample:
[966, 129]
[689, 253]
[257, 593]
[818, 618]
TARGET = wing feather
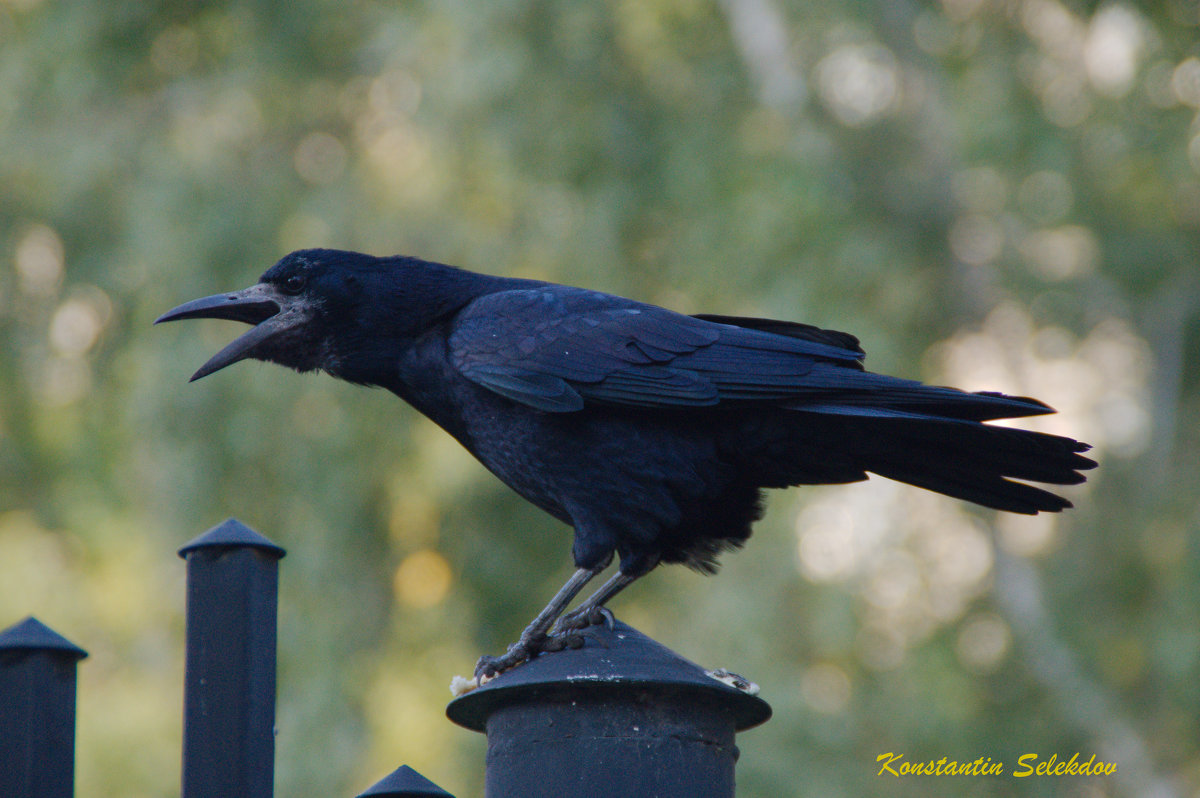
[557, 348]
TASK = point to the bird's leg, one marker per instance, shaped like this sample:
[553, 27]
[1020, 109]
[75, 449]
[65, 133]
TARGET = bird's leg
[592, 610]
[533, 639]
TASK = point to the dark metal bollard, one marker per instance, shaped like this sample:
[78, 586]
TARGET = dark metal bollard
[621, 716]
[37, 711]
[404, 782]
[229, 674]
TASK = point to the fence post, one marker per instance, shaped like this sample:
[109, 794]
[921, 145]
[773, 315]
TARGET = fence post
[622, 715]
[37, 711]
[229, 672]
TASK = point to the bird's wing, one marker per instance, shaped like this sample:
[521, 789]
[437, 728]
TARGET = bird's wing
[557, 348]
[792, 329]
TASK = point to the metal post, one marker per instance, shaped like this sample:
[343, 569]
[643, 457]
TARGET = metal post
[623, 715]
[37, 711]
[229, 673]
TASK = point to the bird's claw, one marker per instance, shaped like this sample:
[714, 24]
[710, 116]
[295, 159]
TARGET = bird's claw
[565, 635]
[582, 618]
[518, 652]
[558, 642]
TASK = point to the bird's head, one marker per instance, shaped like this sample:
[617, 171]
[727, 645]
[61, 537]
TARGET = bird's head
[304, 309]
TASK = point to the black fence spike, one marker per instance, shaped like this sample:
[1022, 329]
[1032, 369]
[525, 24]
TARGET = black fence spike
[404, 782]
[229, 671]
[34, 635]
[231, 532]
[37, 711]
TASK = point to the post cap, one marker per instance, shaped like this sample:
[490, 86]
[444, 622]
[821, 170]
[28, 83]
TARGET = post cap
[33, 635]
[404, 782]
[620, 656]
[231, 533]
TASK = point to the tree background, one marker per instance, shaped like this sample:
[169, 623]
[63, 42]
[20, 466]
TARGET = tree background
[997, 194]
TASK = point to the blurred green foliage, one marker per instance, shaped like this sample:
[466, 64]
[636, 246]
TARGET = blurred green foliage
[998, 194]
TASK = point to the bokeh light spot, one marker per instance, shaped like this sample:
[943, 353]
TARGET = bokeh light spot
[75, 327]
[423, 579]
[983, 642]
[826, 688]
[859, 83]
[40, 261]
[320, 158]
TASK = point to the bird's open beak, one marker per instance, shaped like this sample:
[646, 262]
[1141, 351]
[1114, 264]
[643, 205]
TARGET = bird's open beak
[261, 305]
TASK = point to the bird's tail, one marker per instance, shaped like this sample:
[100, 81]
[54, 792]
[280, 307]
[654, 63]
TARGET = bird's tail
[980, 463]
[934, 438]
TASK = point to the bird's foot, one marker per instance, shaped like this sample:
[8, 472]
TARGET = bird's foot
[524, 649]
[561, 640]
[582, 618]
[529, 646]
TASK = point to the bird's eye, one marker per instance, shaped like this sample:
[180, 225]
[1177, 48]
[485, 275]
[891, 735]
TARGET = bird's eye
[294, 284]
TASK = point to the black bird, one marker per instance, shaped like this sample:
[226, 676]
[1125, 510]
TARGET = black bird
[650, 432]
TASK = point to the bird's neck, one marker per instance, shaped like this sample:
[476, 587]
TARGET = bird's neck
[398, 341]
[423, 376]
[424, 295]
